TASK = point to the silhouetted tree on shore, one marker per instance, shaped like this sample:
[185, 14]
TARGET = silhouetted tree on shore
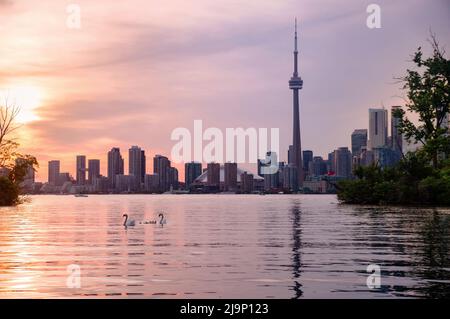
[14, 165]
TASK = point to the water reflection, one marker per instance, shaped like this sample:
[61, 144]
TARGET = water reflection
[218, 246]
[434, 262]
[296, 249]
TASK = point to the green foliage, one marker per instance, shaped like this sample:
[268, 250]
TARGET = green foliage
[10, 184]
[9, 192]
[412, 181]
[16, 164]
[421, 177]
[428, 93]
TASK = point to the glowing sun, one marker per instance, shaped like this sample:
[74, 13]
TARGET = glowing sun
[27, 97]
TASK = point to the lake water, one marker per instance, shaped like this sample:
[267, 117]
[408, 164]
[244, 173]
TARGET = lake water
[221, 246]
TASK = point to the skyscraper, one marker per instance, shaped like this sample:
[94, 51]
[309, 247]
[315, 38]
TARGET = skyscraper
[230, 178]
[115, 165]
[151, 183]
[53, 172]
[397, 137]
[247, 184]
[296, 84]
[136, 163]
[143, 165]
[343, 162]
[359, 140]
[161, 166]
[213, 178]
[93, 170]
[290, 177]
[318, 166]
[271, 180]
[290, 152]
[173, 178]
[378, 121]
[307, 158]
[81, 169]
[192, 170]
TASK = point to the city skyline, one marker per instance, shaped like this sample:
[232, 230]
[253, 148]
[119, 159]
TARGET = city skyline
[103, 100]
[366, 149]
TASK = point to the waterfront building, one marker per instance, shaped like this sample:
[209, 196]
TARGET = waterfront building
[53, 172]
[318, 166]
[63, 178]
[385, 156]
[126, 183]
[290, 178]
[343, 162]
[173, 178]
[136, 163]
[396, 136]
[201, 183]
[100, 184]
[378, 134]
[359, 140]
[247, 186]
[151, 183]
[192, 170]
[307, 159]
[161, 166]
[213, 173]
[230, 178]
[115, 165]
[81, 170]
[272, 180]
[93, 170]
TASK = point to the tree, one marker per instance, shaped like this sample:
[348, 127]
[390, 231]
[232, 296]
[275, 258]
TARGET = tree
[8, 146]
[429, 97]
[16, 164]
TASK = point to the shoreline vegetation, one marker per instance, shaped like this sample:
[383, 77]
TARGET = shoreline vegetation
[14, 166]
[422, 177]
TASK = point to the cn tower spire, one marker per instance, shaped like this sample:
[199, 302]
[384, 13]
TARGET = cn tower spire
[296, 35]
[295, 52]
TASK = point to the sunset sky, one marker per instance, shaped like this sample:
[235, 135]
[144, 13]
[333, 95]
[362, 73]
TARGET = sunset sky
[136, 70]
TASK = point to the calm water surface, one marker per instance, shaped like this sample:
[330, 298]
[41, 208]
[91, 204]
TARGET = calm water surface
[222, 246]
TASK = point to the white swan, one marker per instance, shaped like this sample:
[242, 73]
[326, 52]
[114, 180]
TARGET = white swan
[127, 222]
[162, 220]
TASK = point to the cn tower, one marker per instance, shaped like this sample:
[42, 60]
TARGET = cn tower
[296, 84]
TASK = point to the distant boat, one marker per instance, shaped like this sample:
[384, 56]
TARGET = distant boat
[81, 195]
[178, 191]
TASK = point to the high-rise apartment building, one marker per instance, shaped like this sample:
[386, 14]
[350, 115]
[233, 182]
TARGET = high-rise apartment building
[81, 170]
[213, 175]
[396, 136]
[136, 163]
[378, 131]
[53, 172]
[93, 170]
[192, 170]
[230, 178]
[343, 162]
[115, 165]
[359, 141]
[161, 166]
